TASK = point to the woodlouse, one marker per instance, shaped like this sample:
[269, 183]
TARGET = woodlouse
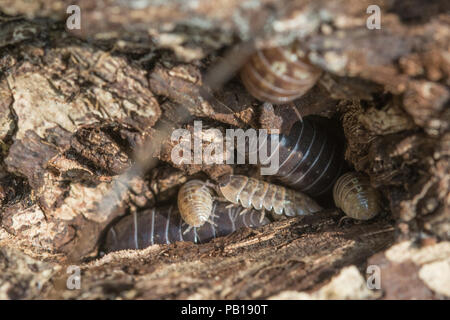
[354, 194]
[195, 202]
[165, 225]
[280, 74]
[310, 157]
[261, 195]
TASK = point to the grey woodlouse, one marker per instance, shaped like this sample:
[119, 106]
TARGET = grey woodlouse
[310, 158]
[195, 202]
[165, 225]
[263, 196]
[354, 194]
[280, 74]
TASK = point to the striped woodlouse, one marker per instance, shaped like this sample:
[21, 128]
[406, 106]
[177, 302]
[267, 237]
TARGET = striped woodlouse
[261, 195]
[354, 194]
[165, 226]
[195, 202]
[310, 157]
[279, 74]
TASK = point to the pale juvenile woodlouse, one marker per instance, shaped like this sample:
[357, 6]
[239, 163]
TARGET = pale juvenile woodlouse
[195, 202]
[165, 226]
[280, 74]
[354, 194]
[261, 195]
[310, 157]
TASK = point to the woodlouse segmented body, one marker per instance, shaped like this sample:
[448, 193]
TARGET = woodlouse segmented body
[354, 194]
[262, 195]
[280, 74]
[310, 158]
[165, 226]
[195, 202]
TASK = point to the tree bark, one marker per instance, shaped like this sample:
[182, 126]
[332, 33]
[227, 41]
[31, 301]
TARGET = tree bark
[80, 108]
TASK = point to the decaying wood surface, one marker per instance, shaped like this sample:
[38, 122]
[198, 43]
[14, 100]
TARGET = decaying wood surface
[76, 106]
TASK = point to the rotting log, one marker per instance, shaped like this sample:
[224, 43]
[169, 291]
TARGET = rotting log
[76, 105]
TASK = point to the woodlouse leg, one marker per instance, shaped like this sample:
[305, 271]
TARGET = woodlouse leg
[341, 221]
[292, 105]
[243, 211]
[211, 221]
[188, 229]
[263, 214]
[212, 216]
[210, 184]
[205, 185]
[344, 218]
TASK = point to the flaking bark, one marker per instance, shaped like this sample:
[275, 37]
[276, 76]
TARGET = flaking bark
[76, 105]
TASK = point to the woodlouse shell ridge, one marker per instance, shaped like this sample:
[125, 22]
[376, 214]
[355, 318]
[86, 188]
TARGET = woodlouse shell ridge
[279, 75]
[195, 202]
[310, 158]
[261, 195]
[354, 194]
[164, 225]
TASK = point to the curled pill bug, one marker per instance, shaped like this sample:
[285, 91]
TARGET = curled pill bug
[165, 225]
[279, 74]
[310, 157]
[264, 196]
[356, 197]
